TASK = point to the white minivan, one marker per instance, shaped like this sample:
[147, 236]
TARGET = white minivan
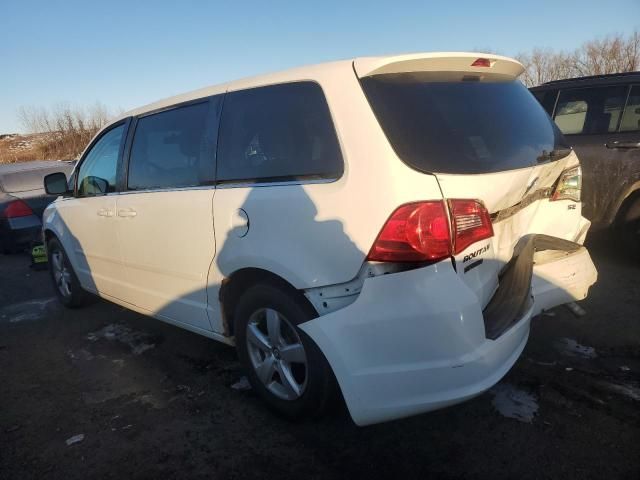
[382, 227]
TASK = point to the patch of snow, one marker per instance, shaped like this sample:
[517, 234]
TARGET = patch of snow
[512, 402]
[242, 384]
[628, 390]
[75, 439]
[26, 311]
[138, 342]
[571, 348]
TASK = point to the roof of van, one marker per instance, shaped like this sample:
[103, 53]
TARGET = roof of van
[608, 79]
[363, 66]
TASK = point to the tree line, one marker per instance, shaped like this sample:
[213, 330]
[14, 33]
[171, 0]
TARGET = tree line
[65, 130]
[612, 54]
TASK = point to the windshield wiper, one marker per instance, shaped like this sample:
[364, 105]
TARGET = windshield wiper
[555, 154]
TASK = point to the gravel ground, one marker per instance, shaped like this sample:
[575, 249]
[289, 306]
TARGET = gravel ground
[106, 393]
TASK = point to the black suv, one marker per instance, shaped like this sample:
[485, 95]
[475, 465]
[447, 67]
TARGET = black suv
[600, 117]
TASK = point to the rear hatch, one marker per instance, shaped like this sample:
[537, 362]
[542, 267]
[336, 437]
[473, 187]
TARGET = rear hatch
[470, 122]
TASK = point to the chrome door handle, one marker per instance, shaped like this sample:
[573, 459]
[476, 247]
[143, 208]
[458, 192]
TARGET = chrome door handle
[623, 145]
[127, 212]
[105, 212]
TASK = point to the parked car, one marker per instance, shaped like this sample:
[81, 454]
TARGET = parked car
[600, 117]
[392, 224]
[23, 199]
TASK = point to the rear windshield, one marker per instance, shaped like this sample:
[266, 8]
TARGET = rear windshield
[462, 126]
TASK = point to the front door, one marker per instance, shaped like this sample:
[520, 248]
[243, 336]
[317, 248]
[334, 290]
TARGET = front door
[89, 233]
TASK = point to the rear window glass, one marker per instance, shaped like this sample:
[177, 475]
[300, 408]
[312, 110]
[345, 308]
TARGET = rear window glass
[463, 126]
[275, 133]
[172, 149]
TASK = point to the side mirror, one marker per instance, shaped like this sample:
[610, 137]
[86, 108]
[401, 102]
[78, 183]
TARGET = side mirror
[56, 184]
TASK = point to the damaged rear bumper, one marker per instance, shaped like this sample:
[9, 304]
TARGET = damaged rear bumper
[416, 341]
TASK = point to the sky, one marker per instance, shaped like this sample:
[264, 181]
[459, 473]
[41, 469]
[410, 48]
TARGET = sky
[125, 54]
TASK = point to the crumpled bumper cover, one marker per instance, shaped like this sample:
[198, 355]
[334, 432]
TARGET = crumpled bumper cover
[415, 341]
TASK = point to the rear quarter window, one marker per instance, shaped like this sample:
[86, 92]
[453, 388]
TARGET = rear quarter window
[277, 133]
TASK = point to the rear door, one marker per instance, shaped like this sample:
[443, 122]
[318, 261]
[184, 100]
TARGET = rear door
[164, 214]
[590, 119]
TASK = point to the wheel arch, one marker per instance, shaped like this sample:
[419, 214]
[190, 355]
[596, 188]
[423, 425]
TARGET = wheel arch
[629, 209]
[238, 282]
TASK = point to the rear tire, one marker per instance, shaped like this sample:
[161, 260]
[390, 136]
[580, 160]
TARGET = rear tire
[65, 281]
[284, 366]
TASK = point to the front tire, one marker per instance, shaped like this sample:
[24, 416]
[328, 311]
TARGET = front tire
[284, 366]
[65, 281]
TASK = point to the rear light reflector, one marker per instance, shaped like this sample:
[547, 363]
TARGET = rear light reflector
[482, 62]
[415, 232]
[17, 208]
[471, 223]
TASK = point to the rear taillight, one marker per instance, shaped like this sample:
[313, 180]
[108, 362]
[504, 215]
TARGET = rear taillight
[17, 208]
[420, 232]
[569, 185]
[470, 223]
[415, 232]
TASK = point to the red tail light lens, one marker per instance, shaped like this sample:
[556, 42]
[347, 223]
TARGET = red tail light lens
[415, 232]
[471, 223]
[482, 62]
[17, 208]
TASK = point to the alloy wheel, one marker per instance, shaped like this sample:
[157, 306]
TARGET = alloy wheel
[61, 274]
[277, 354]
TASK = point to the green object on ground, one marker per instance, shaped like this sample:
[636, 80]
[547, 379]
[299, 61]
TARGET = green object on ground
[39, 254]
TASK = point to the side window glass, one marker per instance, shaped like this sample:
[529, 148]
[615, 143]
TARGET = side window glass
[590, 110]
[97, 174]
[547, 99]
[279, 132]
[631, 118]
[172, 149]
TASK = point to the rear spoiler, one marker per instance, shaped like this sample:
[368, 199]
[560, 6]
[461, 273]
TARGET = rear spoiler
[438, 62]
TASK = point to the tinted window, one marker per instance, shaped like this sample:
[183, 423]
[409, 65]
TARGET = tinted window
[277, 132]
[461, 126]
[97, 174]
[631, 118]
[590, 110]
[547, 99]
[173, 148]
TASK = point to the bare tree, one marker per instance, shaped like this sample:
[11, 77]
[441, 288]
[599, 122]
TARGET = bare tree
[64, 130]
[545, 65]
[612, 54]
